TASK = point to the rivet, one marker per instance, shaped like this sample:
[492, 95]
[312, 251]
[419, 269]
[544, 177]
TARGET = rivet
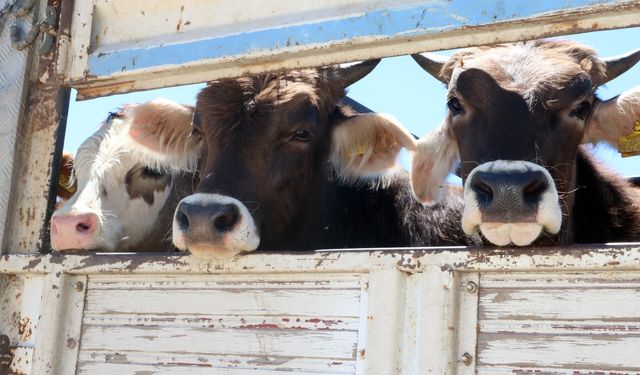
[71, 343]
[472, 287]
[467, 359]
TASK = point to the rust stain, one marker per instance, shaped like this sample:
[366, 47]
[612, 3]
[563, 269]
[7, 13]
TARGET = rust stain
[32, 264]
[24, 328]
[266, 361]
[259, 326]
[180, 18]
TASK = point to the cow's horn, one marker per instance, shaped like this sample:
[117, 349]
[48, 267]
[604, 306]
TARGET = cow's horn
[351, 74]
[617, 65]
[432, 63]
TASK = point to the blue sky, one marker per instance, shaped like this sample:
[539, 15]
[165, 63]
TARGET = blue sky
[397, 86]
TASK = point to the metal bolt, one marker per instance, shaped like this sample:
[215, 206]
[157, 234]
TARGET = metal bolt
[71, 343]
[472, 287]
[79, 286]
[467, 359]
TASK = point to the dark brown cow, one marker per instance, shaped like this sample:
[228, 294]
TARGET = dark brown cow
[286, 167]
[518, 114]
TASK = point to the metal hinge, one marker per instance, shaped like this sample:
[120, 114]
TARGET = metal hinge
[5, 355]
[45, 28]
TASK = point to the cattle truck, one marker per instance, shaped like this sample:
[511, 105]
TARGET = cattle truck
[565, 310]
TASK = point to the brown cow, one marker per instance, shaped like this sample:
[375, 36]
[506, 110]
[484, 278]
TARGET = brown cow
[286, 166]
[518, 114]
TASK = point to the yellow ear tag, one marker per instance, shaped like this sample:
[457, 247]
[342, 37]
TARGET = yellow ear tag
[359, 151]
[63, 182]
[629, 145]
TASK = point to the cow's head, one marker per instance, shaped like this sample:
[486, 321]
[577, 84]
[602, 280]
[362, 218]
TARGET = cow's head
[271, 142]
[517, 116]
[120, 190]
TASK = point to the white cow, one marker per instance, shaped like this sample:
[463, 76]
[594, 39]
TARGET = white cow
[124, 200]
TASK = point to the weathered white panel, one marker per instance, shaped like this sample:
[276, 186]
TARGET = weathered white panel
[573, 323]
[247, 324]
[19, 316]
[62, 304]
[246, 301]
[418, 311]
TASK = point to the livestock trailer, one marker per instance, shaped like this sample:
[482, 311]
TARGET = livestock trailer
[570, 310]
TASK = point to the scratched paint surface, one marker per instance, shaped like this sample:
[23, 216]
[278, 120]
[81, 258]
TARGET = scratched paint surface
[267, 37]
[195, 40]
[559, 324]
[235, 324]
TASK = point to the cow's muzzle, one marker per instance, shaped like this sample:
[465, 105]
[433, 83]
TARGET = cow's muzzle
[510, 202]
[214, 226]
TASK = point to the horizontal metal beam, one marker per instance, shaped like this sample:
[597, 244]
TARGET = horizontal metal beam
[198, 41]
[547, 259]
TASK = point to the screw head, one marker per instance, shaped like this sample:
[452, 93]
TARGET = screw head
[467, 359]
[472, 287]
[71, 343]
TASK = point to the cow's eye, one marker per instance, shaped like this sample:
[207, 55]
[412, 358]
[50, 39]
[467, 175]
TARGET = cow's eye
[148, 172]
[301, 135]
[582, 110]
[455, 106]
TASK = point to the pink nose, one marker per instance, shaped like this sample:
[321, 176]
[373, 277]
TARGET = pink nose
[73, 232]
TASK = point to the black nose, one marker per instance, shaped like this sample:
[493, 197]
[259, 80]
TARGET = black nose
[508, 196]
[208, 217]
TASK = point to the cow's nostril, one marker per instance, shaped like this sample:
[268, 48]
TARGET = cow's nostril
[534, 189]
[226, 218]
[483, 191]
[83, 227]
[182, 219]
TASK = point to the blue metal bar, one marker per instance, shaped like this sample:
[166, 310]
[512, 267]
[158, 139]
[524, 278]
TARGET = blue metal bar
[380, 24]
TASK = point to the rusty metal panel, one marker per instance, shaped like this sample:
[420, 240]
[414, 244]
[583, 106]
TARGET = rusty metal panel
[126, 45]
[13, 86]
[38, 148]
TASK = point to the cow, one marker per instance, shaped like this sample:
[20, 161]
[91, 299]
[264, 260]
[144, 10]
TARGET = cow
[519, 116]
[125, 199]
[286, 166]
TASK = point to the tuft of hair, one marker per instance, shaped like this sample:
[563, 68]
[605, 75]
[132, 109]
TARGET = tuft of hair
[249, 100]
[435, 157]
[535, 67]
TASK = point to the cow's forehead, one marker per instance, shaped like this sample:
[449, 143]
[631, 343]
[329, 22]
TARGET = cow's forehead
[533, 69]
[230, 100]
[106, 154]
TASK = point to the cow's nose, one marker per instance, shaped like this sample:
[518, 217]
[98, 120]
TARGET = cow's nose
[511, 196]
[73, 231]
[215, 218]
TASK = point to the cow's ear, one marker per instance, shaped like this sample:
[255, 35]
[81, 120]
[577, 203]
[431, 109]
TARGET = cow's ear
[614, 118]
[162, 129]
[367, 145]
[435, 157]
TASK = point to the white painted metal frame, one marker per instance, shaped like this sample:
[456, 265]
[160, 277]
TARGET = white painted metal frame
[190, 41]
